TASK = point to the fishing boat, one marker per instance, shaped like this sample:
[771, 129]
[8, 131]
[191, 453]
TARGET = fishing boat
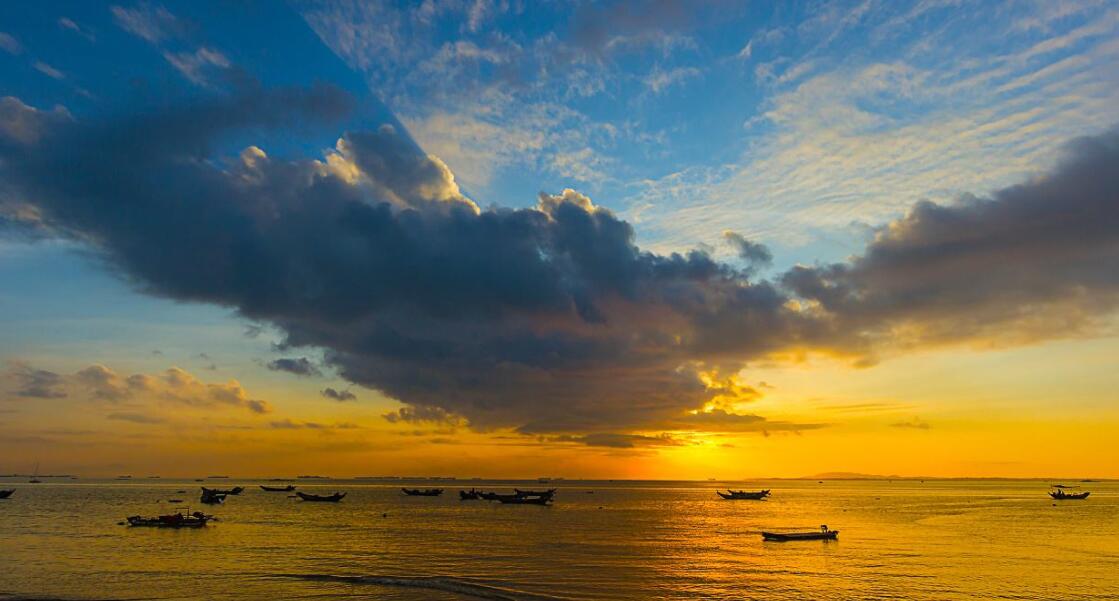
[4, 494]
[488, 496]
[422, 492]
[551, 492]
[740, 495]
[211, 497]
[236, 490]
[1061, 495]
[334, 498]
[174, 520]
[515, 499]
[823, 534]
[35, 476]
[469, 495]
[288, 488]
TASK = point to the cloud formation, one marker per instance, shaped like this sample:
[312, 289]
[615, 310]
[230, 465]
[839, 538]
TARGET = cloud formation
[1031, 262]
[546, 319]
[338, 395]
[101, 383]
[300, 366]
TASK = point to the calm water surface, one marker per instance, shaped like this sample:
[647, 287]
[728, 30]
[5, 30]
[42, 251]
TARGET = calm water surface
[898, 540]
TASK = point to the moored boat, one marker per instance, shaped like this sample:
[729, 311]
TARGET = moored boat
[422, 492]
[535, 493]
[288, 488]
[334, 498]
[4, 494]
[515, 499]
[1061, 495]
[212, 497]
[236, 490]
[469, 495]
[174, 520]
[737, 495]
[823, 534]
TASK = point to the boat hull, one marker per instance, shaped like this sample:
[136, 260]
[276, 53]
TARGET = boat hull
[334, 498]
[1069, 497]
[795, 536]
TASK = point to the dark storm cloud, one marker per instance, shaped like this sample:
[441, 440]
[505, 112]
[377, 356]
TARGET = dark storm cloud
[338, 395]
[300, 366]
[547, 319]
[1033, 261]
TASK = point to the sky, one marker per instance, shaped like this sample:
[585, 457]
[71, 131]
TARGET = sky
[483, 238]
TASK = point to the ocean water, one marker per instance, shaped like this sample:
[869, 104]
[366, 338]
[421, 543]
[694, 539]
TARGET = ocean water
[601, 540]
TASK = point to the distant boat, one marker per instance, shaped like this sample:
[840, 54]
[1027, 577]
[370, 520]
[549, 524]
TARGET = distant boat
[218, 477]
[743, 495]
[334, 498]
[288, 488]
[1061, 495]
[4, 494]
[212, 499]
[488, 496]
[823, 534]
[471, 495]
[35, 476]
[422, 492]
[174, 520]
[516, 499]
[236, 490]
[551, 492]
[543, 480]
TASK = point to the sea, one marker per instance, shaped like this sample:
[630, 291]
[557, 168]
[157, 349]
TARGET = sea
[900, 539]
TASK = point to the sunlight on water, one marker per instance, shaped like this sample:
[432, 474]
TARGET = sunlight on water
[911, 540]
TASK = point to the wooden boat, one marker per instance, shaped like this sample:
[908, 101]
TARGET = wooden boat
[288, 488]
[823, 534]
[470, 495]
[211, 497]
[174, 520]
[515, 499]
[488, 496]
[422, 492]
[551, 492]
[4, 494]
[1061, 495]
[236, 490]
[334, 498]
[739, 495]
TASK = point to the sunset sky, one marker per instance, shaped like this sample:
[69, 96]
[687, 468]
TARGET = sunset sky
[517, 239]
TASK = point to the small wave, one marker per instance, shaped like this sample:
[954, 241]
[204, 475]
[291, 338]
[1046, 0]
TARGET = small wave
[437, 583]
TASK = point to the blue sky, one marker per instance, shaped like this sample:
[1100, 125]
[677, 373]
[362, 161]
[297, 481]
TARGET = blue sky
[807, 127]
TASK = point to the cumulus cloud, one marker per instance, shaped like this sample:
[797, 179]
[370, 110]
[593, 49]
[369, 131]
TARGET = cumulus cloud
[1030, 262]
[300, 366]
[546, 319]
[36, 383]
[101, 383]
[338, 395]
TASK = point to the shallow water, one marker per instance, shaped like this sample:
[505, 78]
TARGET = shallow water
[626, 540]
